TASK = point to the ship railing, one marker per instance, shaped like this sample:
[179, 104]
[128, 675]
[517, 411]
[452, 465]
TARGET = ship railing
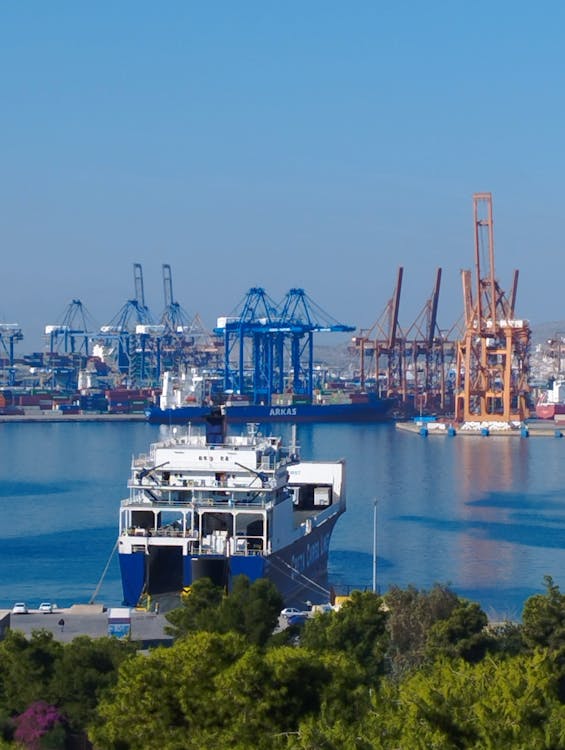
[141, 460]
[230, 502]
[206, 501]
[189, 484]
[247, 546]
[195, 484]
[138, 498]
[163, 531]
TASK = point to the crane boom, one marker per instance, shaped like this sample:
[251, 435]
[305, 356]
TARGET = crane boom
[138, 284]
[167, 285]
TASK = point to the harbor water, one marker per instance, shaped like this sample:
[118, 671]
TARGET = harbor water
[485, 515]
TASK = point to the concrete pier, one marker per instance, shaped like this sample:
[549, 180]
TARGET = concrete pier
[58, 416]
[530, 428]
[147, 628]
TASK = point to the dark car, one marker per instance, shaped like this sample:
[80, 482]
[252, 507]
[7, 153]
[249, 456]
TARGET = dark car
[298, 619]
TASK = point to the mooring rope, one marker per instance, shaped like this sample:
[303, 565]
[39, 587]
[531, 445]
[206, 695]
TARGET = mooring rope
[99, 584]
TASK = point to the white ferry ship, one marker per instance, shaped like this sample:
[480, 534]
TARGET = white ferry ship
[217, 505]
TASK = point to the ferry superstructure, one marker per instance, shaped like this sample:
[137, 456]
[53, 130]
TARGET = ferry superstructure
[217, 505]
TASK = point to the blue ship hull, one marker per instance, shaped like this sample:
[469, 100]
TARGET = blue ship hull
[373, 410]
[299, 571]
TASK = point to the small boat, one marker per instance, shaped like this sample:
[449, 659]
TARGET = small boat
[209, 504]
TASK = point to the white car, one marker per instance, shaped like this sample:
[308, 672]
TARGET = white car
[19, 608]
[46, 608]
[289, 611]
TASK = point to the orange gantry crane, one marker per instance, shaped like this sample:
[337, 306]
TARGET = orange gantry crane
[386, 345]
[493, 356]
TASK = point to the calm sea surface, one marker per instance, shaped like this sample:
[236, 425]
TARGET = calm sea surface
[485, 515]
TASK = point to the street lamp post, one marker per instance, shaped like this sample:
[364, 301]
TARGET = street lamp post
[375, 546]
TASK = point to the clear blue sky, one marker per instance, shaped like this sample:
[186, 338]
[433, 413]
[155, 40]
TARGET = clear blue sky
[277, 144]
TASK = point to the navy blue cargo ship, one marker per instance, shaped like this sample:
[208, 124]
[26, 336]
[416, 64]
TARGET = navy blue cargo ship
[373, 409]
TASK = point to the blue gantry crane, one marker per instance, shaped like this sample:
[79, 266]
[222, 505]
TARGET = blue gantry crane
[300, 318]
[185, 340]
[9, 334]
[269, 348]
[176, 320]
[134, 337]
[72, 334]
[248, 335]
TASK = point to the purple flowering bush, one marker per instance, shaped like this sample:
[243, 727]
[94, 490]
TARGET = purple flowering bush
[39, 725]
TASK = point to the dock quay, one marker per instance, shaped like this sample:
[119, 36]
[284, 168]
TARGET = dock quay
[93, 620]
[530, 428]
[59, 416]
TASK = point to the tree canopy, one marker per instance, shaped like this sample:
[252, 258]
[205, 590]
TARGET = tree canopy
[251, 609]
[414, 669]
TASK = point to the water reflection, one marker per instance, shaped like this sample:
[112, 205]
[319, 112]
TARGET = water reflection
[484, 514]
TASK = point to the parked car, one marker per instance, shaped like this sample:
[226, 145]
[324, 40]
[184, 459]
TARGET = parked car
[289, 611]
[46, 608]
[19, 608]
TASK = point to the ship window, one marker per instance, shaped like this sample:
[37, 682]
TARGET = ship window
[309, 496]
[322, 496]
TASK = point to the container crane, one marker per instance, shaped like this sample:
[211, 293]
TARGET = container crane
[129, 333]
[68, 345]
[174, 318]
[72, 334]
[267, 330]
[10, 333]
[385, 338]
[429, 352]
[493, 357]
[250, 327]
[300, 318]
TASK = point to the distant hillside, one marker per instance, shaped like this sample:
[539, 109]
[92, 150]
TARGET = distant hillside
[338, 356]
[544, 331]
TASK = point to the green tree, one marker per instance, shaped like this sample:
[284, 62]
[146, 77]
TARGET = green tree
[423, 624]
[462, 634]
[217, 690]
[167, 698]
[411, 614]
[357, 629]
[27, 668]
[197, 610]
[543, 618]
[498, 703]
[264, 696]
[86, 668]
[251, 609]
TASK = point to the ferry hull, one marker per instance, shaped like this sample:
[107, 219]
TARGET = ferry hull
[375, 410]
[299, 571]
